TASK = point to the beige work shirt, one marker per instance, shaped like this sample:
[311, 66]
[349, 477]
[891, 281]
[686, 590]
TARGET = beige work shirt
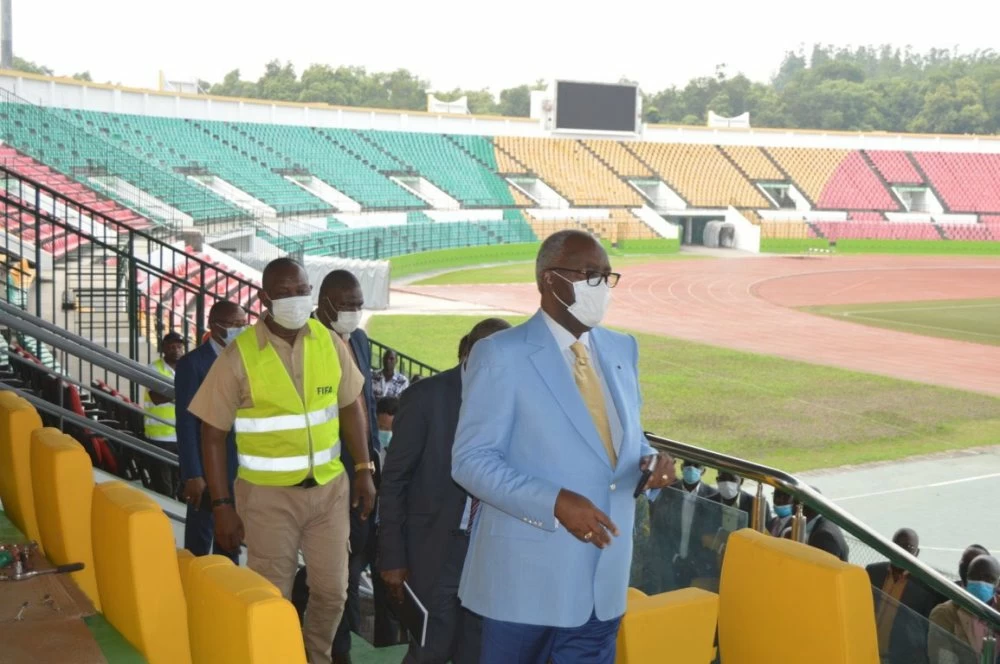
[226, 389]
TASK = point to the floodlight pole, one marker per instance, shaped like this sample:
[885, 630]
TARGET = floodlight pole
[7, 39]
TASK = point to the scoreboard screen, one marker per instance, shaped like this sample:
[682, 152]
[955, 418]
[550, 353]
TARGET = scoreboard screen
[596, 107]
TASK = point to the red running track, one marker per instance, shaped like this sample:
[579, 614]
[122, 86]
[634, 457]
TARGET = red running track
[744, 303]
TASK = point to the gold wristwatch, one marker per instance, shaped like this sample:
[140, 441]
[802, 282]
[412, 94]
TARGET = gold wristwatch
[365, 466]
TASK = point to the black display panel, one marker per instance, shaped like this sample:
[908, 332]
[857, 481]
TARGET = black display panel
[595, 106]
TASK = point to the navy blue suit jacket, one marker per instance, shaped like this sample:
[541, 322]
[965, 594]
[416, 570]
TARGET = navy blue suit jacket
[363, 354]
[191, 371]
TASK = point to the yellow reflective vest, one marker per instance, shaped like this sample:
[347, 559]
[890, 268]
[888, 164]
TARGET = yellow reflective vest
[155, 429]
[283, 438]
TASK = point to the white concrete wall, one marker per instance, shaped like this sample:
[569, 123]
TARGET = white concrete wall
[747, 234]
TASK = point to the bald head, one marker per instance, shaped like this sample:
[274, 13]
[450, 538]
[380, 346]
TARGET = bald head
[971, 552]
[908, 540]
[485, 328]
[480, 330]
[559, 246]
[223, 310]
[985, 568]
[281, 269]
[339, 280]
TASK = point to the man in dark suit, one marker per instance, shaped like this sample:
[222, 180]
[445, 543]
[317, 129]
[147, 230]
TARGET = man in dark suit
[731, 494]
[902, 606]
[341, 301]
[225, 321]
[824, 534]
[683, 518]
[425, 517]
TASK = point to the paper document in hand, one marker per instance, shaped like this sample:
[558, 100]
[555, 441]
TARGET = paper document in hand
[413, 615]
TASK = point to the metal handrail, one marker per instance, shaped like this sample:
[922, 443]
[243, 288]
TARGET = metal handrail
[803, 494]
[104, 430]
[104, 396]
[53, 335]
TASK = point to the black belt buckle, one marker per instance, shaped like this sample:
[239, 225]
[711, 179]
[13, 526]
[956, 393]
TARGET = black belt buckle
[308, 483]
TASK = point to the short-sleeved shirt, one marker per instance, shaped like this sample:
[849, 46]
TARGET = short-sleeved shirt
[226, 388]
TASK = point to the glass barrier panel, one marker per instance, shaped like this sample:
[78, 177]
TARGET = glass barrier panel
[680, 540]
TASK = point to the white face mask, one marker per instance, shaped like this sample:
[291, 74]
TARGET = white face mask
[729, 490]
[292, 313]
[591, 301]
[230, 334]
[347, 322]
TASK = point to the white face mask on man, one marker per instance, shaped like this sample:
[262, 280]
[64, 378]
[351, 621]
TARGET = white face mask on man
[728, 490]
[292, 313]
[591, 302]
[347, 322]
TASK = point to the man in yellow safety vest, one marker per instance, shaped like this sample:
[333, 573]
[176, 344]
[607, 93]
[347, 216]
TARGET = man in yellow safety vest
[289, 389]
[161, 427]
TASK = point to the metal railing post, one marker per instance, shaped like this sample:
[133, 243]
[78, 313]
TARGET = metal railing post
[799, 525]
[758, 520]
[38, 252]
[989, 653]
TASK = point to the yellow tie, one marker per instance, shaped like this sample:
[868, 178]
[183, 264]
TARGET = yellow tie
[590, 389]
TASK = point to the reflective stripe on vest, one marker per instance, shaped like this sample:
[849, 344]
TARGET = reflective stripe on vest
[154, 428]
[283, 437]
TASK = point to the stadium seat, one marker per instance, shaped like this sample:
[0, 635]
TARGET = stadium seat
[236, 616]
[18, 420]
[823, 606]
[571, 169]
[686, 619]
[754, 163]
[138, 574]
[895, 167]
[701, 174]
[63, 485]
[965, 182]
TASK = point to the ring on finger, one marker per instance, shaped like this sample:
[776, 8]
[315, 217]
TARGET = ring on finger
[664, 477]
[588, 536]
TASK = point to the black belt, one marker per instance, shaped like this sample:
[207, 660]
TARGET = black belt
[307, 483]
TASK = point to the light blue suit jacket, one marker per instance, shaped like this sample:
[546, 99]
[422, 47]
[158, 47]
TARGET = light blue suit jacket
[523, 434]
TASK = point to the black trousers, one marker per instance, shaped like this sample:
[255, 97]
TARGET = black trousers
[454, 634]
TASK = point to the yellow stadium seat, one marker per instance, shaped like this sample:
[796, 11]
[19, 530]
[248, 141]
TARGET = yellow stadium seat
[684, 619]
[138, 575]
[238, 617]
[824, 606]
[18, 419]
[62, 480]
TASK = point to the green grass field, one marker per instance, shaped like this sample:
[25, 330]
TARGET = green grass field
[792, 415]
[524, 272]
[901, 247]
[965, 320]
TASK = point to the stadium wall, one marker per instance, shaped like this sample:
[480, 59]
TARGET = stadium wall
[69, 93]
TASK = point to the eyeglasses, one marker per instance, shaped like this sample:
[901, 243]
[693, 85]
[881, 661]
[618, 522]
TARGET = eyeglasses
[593, 277]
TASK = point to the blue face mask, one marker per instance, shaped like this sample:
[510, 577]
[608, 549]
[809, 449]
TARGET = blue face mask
[981, 590]
[385, 437]
[691, 474]
[232, 333]
[783, 511]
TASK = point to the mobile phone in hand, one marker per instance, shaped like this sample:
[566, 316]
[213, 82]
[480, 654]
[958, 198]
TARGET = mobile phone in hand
[643, 478]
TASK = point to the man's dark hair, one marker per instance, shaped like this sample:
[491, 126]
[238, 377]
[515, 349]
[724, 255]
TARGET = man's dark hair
[170, 337]
[221, 308]
[463, 347]
[339, 280]
[485, 328]
[387, 406]
[552, 249]
[278, 264]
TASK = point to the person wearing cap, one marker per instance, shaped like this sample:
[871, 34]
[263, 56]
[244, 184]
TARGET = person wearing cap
[161, 426]
[291, 391]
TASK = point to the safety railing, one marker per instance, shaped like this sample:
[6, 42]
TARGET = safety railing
[119, 286]
[406, 365]
[805, 497]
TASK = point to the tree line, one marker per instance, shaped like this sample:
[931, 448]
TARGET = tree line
[869, 88]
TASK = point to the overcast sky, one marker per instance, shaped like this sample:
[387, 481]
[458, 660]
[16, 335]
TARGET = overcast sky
[491, 43]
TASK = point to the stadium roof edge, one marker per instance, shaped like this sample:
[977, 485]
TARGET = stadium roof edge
[13, 73]
[679, 129]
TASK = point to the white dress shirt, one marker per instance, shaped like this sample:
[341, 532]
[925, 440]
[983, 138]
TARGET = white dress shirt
[687, 517]
[564, 339]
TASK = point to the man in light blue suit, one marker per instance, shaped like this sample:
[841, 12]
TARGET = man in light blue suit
[549, 441]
